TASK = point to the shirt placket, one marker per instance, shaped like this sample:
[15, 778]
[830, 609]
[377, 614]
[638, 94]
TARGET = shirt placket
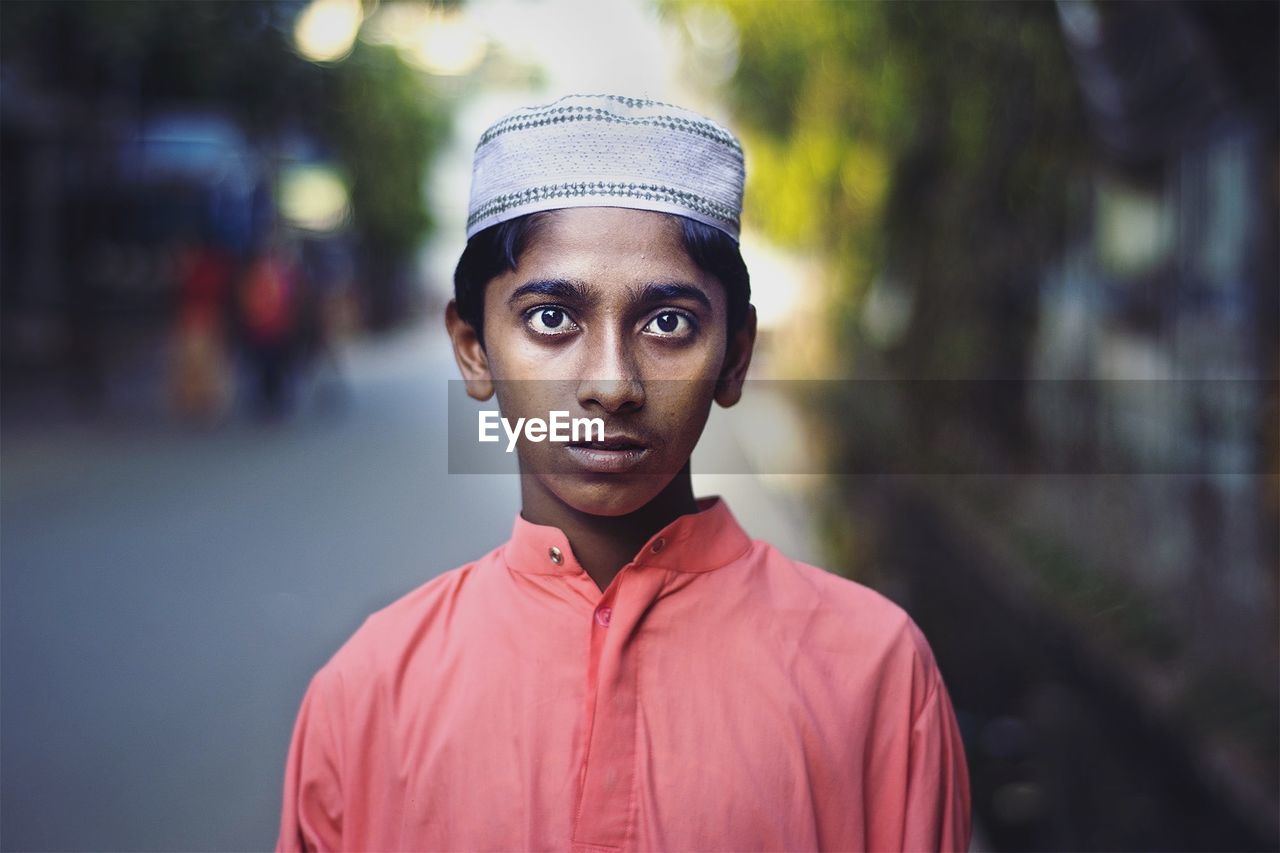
[604, 807]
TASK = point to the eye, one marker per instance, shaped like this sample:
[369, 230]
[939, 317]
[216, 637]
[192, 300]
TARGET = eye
[549, 320]
[671, 324]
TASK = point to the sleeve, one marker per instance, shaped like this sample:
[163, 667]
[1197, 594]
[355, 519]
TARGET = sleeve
[311, 815]
[938, 800]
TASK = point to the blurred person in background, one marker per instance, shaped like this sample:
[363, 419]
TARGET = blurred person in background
[202, 383]
[270, 303]
[630, 670]
[330, 319]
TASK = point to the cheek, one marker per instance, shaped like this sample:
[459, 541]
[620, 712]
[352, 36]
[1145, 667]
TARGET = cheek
[510, 353]
[507, 344]
[685, 405]
[699, 361]
[518, 398]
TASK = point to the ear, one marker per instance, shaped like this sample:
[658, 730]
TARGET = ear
[469, 352]
[737, 358]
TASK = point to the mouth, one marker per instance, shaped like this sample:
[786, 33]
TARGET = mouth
[620, 442]
[613, 455]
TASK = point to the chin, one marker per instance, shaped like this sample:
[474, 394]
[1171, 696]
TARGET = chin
[608, 494]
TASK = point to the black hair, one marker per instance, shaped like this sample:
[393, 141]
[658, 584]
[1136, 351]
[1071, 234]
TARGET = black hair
[497, 249]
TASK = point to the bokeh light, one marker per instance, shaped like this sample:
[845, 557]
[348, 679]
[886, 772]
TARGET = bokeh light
[327, 29]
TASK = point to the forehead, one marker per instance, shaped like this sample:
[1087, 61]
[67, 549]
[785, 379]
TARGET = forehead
[612, 243]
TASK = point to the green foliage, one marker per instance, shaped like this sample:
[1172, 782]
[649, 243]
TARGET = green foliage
[386, 125]
[930, 140]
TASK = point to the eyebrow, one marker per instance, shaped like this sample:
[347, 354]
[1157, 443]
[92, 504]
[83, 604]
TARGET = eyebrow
[572, 290]
[565, 289]
[667, 291]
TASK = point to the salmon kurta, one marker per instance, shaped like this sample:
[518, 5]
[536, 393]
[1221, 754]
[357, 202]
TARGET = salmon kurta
[717, 696]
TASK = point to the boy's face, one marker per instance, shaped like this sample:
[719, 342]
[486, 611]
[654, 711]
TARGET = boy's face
[607, 316]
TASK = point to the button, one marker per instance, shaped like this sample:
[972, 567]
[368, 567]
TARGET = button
[603, 615]
[657, 545]
[554, 553]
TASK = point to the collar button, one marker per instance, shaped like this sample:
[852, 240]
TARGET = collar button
[658, 545]
[555, 554]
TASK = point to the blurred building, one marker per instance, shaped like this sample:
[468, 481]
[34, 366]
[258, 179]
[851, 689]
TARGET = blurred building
[1156, 353]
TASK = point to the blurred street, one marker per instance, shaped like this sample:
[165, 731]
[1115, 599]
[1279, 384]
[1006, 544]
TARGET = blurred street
[167, 593]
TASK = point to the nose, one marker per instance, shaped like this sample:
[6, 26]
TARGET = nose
[611, 377]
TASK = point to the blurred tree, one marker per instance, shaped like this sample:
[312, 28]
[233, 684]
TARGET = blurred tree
[939, 149]
[386, 127]
[980, 198]
[927, 143]
[381, 118]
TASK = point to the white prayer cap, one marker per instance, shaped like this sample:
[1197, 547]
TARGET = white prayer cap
[607, 151]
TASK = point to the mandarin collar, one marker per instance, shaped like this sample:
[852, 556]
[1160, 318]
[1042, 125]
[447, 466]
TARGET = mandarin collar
[696, 542]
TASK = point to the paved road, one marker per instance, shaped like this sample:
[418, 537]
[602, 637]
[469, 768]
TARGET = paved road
[166, 594]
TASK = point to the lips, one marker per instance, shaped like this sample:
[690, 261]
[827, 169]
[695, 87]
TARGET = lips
[613, 455]
[617, 442]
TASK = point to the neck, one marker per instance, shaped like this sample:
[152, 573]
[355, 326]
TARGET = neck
[604, 544]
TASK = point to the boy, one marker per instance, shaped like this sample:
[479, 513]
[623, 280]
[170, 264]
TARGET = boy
[630, 671]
